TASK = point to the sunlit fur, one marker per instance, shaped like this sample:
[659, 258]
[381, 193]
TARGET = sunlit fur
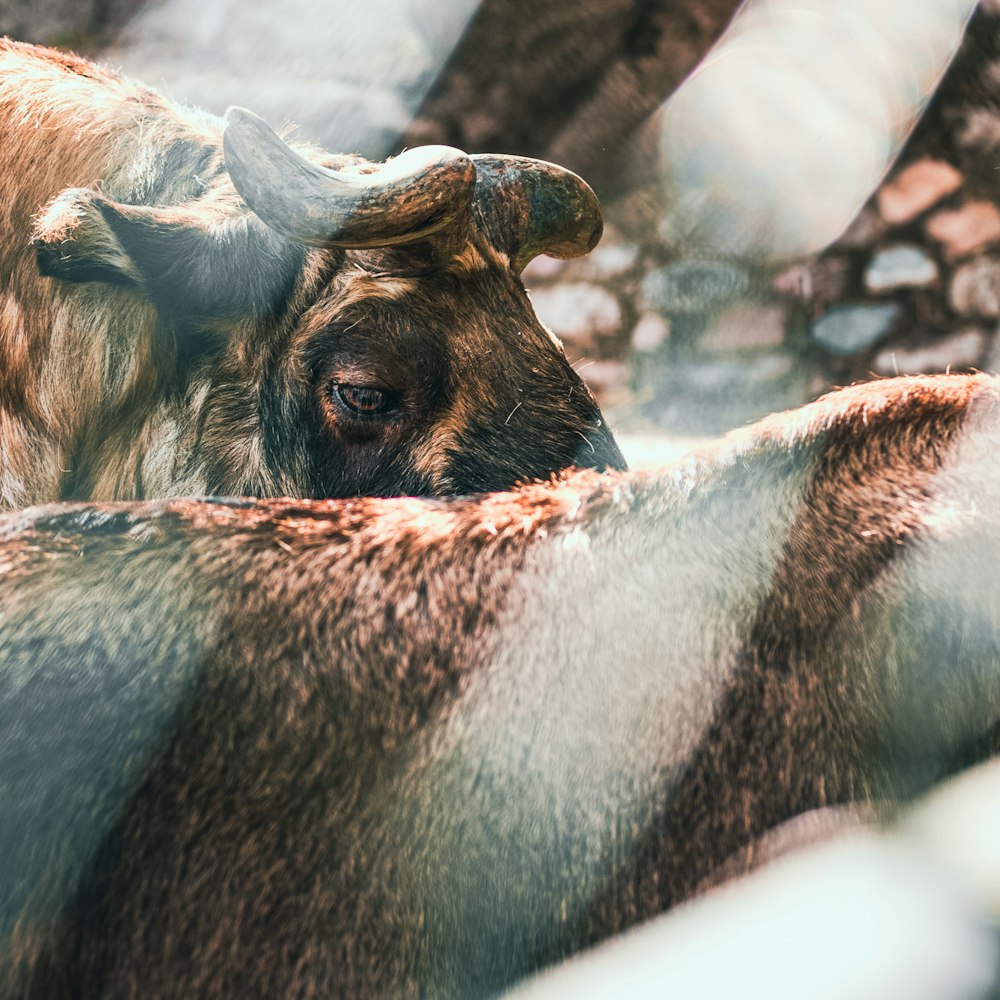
[166, 356]
[402, 748]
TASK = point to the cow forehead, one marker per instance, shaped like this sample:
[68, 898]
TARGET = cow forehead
[473, 306]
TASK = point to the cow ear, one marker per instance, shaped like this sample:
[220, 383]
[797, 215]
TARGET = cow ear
[188, 261]
[73, 241]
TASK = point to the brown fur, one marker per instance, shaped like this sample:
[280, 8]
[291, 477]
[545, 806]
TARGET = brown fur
[423, 748]
[139, 371]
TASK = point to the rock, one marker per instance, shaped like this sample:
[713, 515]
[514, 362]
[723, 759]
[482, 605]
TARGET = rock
[723, 377]
[821, 280]
[850, 328]
[543, 269]
[916, 188]
[979, 131]
[713, 376]
[651, 331]
[577, 311]
[866, 228]
[746, 327]
[900, 266]
[963, 349]
[972, 227]
[770, 368]
[819, 385]
[610, 260]
[991, 363]
[693, 286]
[975, 288]
[606, 377]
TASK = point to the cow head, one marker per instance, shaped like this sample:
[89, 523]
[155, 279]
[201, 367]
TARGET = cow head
[361, 329]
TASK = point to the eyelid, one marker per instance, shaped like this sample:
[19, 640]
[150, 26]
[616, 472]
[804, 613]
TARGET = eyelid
[348, 375]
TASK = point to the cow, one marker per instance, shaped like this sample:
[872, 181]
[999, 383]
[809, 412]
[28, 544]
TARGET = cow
[424, 747]
[190, 310]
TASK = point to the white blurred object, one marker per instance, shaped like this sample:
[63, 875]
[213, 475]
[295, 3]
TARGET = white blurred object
[351, 74]
[774, 143]
[960, 822]
[871, 916]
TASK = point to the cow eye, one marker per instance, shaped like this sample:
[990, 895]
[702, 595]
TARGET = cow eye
[366, 400]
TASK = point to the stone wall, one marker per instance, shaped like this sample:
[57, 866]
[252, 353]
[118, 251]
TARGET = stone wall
[693, 345]
[913, 285]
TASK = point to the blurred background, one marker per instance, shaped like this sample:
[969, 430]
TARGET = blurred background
[798, 194]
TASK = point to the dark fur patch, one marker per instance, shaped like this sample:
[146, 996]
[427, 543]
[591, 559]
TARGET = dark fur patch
[874, 474]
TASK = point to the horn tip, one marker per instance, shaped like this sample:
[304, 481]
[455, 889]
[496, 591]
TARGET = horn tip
[240, 125]
[239, 115]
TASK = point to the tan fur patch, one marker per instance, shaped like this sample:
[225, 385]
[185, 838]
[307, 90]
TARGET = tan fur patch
[363, 287]
[478, 258]
[13, 341]
[430, 457]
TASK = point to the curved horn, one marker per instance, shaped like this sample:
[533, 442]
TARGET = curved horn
[419, 193]
[528, 207]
